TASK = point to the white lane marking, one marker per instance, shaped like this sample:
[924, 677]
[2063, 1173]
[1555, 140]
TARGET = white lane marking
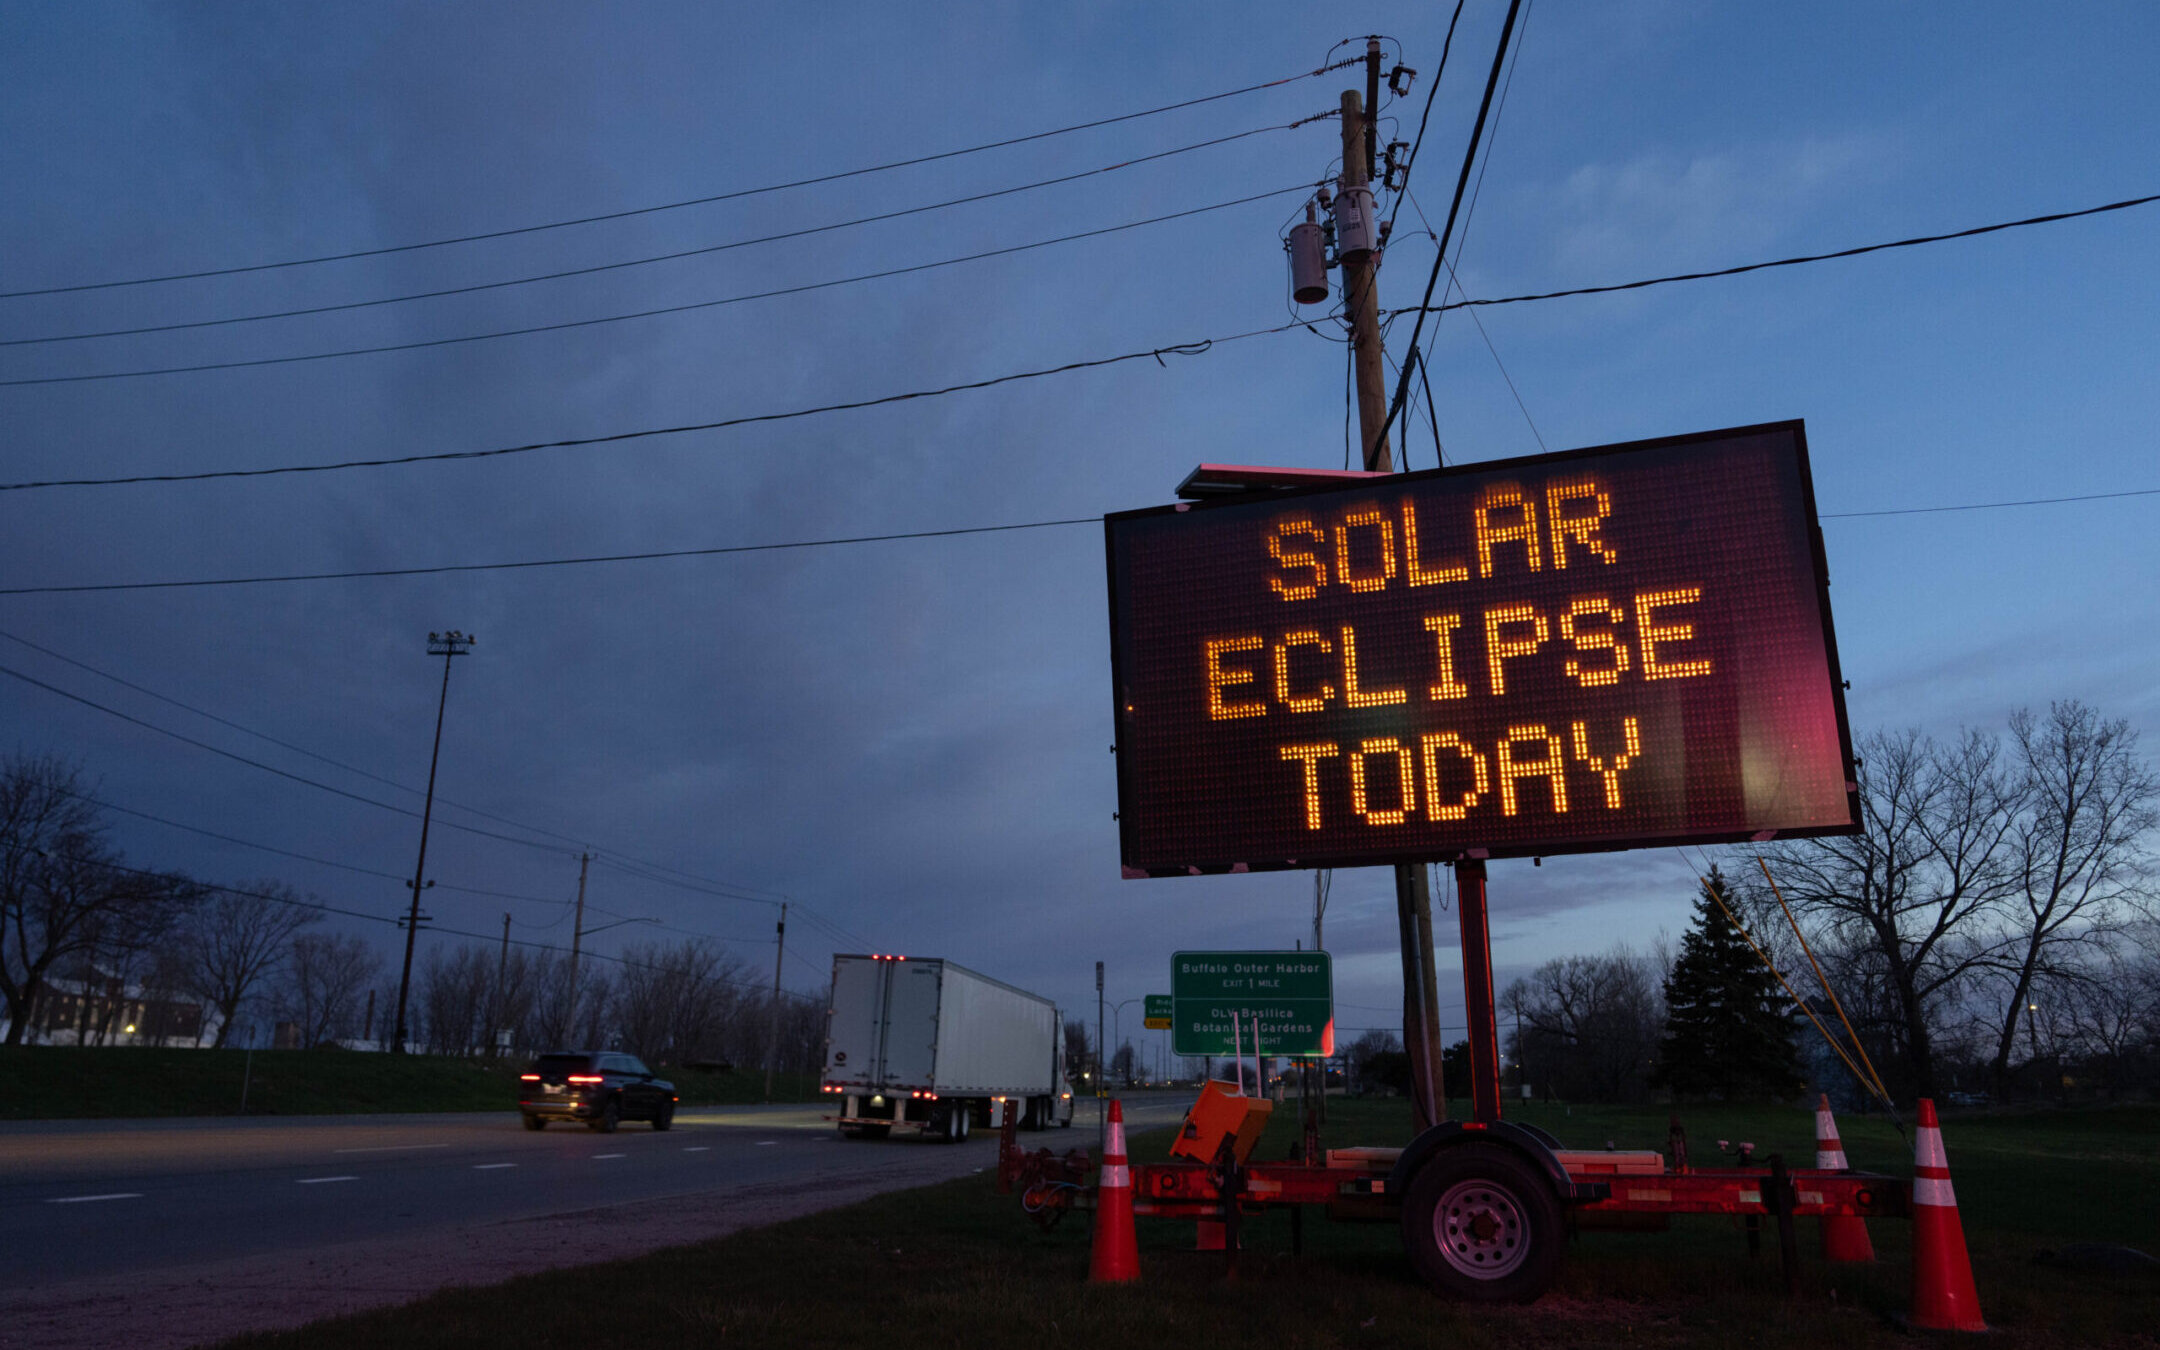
[598, 1156]
[319, 1181]
[491, 1167]
[700, 1148]
[93, 1199]
[390, 1148]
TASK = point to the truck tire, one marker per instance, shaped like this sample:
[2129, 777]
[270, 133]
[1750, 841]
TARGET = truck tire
[1480, 1224]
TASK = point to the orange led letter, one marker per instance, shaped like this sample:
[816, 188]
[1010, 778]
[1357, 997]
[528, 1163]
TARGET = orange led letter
[1310, 756]
[1591, 639]
[1442, 627]
[1293, 559]
[1219, 679]
[1404, 771]
[1351, 694]
[1378, 580]
[1552, 768]
[1631, 733]
[1498, 498]
[1413, 560]
[1322, 692]
[1582, 527]
[1498, 649]
[1481, 782]
[1650, 634]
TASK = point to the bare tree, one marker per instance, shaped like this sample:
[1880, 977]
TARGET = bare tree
[569, 1007]
[673, 1002]
[238, 940]
[2080, 852]
[1931, 868]
[1588, 1026]
[325, 980]
[65, 898]
[456, 990]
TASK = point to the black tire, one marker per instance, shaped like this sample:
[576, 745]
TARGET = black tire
[1481, 1224]
[664, 1118]
[610, 1116]
[536, 1122]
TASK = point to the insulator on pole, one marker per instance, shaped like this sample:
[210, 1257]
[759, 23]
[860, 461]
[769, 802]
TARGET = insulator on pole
[1308, 261]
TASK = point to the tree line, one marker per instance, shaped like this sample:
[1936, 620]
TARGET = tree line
[88, 940]
[1991, 928]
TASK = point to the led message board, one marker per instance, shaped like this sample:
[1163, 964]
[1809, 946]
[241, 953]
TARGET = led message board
[1609, 648]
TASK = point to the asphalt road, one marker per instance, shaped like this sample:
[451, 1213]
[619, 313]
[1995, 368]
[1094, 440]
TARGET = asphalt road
[112, 1197]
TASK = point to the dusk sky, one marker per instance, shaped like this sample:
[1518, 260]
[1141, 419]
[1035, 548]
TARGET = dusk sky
[910, 739]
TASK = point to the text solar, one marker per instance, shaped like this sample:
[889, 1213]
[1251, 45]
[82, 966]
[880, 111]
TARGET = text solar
[1599, 649]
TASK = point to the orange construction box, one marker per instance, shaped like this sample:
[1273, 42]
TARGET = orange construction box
[1222, 1113]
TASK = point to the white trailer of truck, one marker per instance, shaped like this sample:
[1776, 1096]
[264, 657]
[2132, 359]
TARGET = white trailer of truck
[930, 1047]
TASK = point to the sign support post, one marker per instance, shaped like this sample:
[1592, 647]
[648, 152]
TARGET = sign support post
[1478, 991]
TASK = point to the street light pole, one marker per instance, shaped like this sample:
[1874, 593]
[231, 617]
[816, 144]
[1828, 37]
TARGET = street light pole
[444, 645]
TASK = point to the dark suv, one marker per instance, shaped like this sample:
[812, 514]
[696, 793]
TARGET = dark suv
[599, 1087]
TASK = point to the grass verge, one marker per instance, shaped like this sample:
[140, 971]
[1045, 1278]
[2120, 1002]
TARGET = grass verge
[958, 1264]
[39, 1082]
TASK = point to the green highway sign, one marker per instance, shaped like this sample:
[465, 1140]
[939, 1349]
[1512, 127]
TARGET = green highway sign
[1158, 1012]
[1218, 998]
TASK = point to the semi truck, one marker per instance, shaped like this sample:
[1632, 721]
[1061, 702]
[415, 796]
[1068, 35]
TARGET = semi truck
[929, 1047]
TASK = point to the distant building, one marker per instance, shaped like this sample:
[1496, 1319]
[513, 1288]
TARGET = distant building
[99, 1010]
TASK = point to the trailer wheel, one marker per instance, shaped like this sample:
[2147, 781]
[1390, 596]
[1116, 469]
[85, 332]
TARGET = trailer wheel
[1481, 1225]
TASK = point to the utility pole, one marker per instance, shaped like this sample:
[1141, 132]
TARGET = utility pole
[502, 967]
[1361, 269]
[446, 646]
[772, 1038]
[577, 938]
[1102, 1127]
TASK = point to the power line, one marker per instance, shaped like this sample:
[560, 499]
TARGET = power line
[273, 740]
[490, 938]
[1462, 181]
[564, 325]
[2050, 218]
[787, 235]
[258, 764]
[1158, 353]
[1185, 349]
[604, 855]
[532, 563]
[673, 206]
[1990, 506]
[826, 543]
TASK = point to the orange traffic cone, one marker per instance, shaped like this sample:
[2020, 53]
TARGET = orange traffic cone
[1844, 1236]
[1943, 1297]
[1116, 1256]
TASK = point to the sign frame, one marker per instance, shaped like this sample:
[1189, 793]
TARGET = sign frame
[1140, 861]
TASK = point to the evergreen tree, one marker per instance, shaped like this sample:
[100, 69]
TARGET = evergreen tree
[1725, 1032]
